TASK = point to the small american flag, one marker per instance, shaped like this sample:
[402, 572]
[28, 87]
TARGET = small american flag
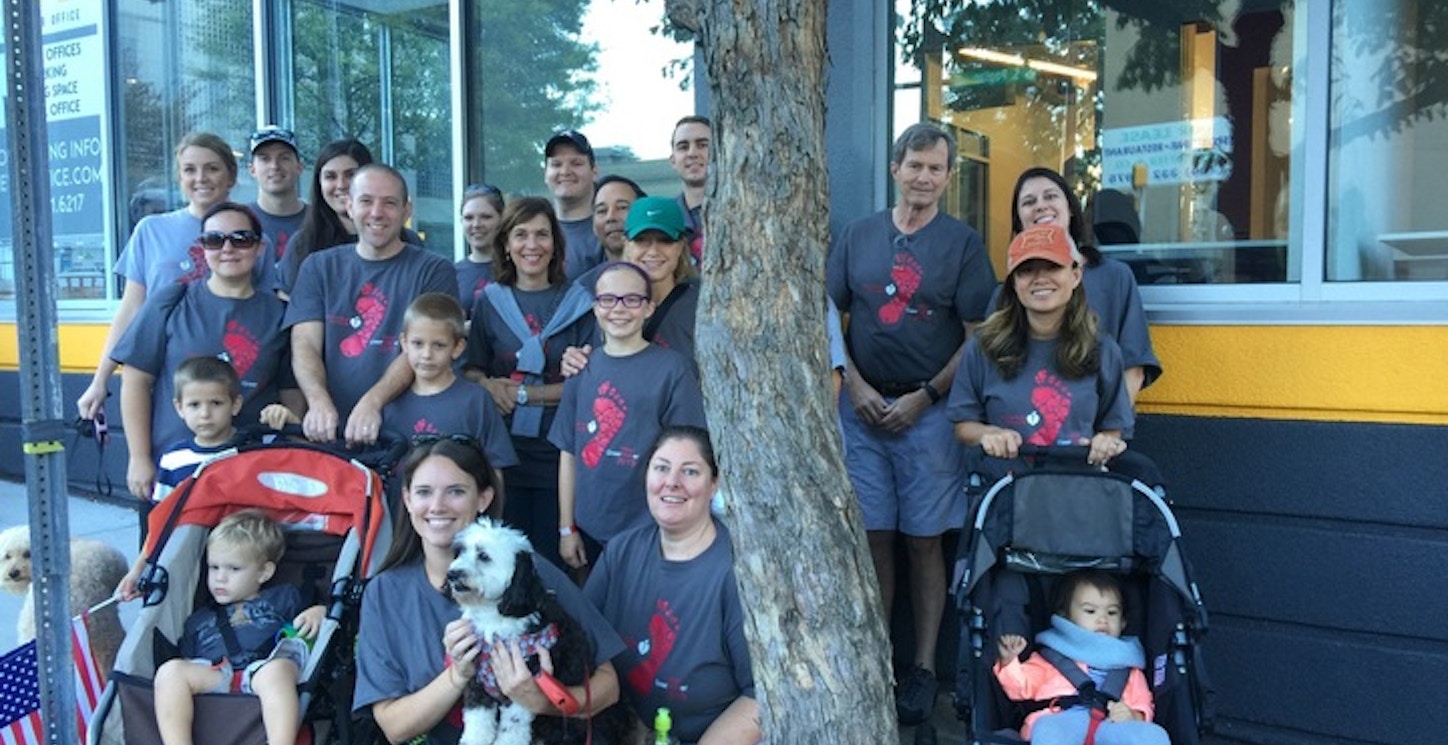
[20, 688]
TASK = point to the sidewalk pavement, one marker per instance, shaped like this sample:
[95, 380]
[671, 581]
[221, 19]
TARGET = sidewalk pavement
[90, 517]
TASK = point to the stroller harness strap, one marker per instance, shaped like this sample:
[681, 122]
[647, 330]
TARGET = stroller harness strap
[1087, 692]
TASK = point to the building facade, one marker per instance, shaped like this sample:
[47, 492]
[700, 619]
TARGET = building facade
[1278, 164]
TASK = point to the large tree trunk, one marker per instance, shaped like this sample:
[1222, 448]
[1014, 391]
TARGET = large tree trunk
[816, 632]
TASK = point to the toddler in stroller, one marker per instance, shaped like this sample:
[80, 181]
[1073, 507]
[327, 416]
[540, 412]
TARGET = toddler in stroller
[240, 644]
[332, 514]
[1082, 651]
[1051, 520]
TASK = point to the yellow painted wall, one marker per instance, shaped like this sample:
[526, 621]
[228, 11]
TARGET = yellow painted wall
[80, 346]
[1321, 373]
[1325, 373]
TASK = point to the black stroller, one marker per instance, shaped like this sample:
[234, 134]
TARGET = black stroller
[1053, 517]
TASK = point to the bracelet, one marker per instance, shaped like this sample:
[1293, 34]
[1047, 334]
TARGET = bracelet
[930, 391]
[567, 530]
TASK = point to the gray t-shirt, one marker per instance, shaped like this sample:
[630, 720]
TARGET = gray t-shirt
[360, 304]
[682, 627]
[463, 408]
[182, 321]
[1111, 291]
[163, 250]
[608, 418]
[278, 231]
[473, 276]
[399, 639]
[581, 250]
[1045, 407]
[907, 296]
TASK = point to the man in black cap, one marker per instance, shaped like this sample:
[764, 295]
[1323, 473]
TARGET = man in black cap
[277, 167]
[569, 172]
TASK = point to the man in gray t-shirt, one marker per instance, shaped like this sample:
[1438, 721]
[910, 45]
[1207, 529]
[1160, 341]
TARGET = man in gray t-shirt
[347, 307]
[569, 172]
[908, 279]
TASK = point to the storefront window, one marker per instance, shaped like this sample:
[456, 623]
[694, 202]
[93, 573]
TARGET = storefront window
[607, 68]
[180, 68]
[381, 78]
[1175, 126]
[1389, 141]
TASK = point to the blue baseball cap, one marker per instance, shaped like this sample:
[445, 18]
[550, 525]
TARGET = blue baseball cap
[273, 133]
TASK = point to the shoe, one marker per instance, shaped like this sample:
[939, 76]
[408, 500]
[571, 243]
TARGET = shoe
[915, 698]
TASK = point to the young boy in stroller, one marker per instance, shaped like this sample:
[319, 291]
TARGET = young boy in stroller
[239, 644]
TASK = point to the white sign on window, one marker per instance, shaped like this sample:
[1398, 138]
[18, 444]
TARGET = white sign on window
[1166, 153]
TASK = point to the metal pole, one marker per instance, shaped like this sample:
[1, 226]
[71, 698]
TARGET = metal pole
[41, 430]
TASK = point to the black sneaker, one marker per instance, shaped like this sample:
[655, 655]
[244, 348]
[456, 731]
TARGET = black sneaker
[915, 698]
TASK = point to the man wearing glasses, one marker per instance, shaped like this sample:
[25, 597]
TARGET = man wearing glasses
[909, 279]
[276, 164]
[569, 172]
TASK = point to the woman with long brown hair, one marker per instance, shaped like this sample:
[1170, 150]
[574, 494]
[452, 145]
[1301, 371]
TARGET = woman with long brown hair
[1037, 371]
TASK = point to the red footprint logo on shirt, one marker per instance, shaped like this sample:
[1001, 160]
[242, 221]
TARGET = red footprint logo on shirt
[478, 292]
[1052, 402]
[904, 281]
[371, 308]
[241, 347]
[194, 266]
[423, 427]
[663, 630]
[535, 326]
[281, 252]
[609, 413]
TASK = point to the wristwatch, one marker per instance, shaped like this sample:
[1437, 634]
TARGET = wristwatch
[522, 395]
[929, 391]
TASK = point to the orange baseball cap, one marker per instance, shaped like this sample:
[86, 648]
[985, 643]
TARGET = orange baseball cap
[1049, 242]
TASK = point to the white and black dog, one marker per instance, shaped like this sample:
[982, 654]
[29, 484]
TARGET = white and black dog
[494, 580]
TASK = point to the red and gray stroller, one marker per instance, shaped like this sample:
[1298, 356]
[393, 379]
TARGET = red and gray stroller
[333, 511]
[1052, 517]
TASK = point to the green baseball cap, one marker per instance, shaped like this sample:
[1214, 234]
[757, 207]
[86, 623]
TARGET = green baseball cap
[656, 213]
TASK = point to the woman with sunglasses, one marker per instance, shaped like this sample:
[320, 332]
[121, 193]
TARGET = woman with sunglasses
[225, 316]
[612, 412]
[482, 209]
[162, 250]
[521, 324]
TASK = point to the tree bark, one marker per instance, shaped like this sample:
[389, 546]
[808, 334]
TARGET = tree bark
[811, 602]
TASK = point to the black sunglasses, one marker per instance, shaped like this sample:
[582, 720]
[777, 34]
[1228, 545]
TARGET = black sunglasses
[460, 439]
[214, 240]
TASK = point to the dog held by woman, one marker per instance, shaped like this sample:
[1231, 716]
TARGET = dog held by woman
[494, 581]
[95, 570]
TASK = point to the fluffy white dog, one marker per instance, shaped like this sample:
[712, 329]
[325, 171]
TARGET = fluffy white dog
[95, 570]
[495, 582]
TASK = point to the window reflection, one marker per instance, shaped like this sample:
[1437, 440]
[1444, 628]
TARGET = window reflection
[1389, 141]
[1176, 127]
